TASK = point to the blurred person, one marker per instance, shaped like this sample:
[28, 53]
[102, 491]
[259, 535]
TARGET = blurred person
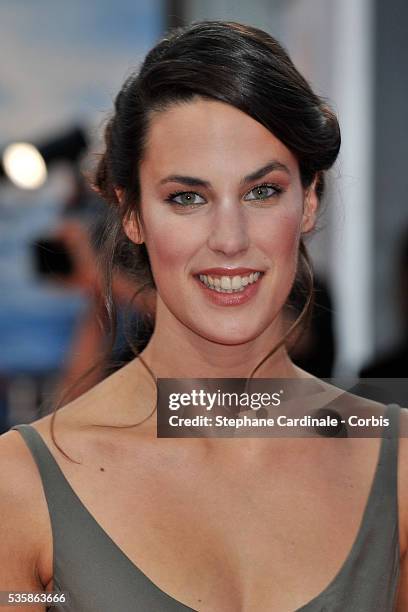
[69, 257]
[213, 170]
[394, 363]
[89, 341]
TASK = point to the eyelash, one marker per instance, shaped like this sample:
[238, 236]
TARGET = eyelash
[170, 198]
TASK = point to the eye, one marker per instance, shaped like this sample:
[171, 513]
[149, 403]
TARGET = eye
[263, 192]
[185, 198]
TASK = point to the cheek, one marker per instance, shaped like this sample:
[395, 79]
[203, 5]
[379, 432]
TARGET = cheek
[280, 239]
[170, 245]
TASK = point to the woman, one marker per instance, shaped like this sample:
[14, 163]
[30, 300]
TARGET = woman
[214, 167]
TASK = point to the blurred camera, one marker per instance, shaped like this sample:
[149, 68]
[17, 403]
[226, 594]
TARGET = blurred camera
[52, 258]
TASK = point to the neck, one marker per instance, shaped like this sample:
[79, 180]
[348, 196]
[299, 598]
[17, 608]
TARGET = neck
[175, 351]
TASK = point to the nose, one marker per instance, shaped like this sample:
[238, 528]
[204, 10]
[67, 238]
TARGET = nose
[229, 230]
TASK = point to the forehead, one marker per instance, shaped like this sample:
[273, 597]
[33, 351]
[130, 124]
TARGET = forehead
[210, 137]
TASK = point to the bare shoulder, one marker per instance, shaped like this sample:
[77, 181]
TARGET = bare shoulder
[87, 425]
[403, 478]
[117, 399]
[24, 528]
[18, 472]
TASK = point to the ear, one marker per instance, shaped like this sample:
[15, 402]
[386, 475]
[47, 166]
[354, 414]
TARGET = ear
[131, 223]
[310, 207]
[133, 229]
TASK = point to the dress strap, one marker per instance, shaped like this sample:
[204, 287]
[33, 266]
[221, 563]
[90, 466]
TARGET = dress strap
[387, 471]
[57, 490]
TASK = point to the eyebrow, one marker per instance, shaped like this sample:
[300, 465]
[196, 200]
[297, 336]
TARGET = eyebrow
[194, 181]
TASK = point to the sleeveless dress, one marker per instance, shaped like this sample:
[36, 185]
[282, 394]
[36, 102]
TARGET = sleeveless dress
[99, 577]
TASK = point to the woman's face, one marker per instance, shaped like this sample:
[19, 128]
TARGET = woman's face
[223, 209]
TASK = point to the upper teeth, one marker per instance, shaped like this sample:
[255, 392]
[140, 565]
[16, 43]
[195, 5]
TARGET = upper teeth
[229, 283]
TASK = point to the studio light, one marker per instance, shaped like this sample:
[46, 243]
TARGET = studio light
[26, 165]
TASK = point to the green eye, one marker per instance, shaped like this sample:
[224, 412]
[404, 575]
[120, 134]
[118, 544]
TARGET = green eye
[262, 192]
[185, 198]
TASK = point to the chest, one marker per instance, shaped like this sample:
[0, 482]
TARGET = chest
[220, 536]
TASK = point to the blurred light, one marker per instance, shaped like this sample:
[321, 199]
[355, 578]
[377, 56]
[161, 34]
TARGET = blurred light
[24, 165]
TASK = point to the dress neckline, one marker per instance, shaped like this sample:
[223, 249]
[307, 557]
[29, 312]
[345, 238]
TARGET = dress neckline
[304, 608]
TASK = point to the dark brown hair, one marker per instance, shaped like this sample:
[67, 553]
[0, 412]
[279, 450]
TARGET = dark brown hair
[232, 63]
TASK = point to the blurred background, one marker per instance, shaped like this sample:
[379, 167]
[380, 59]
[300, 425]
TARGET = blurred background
[62, 65]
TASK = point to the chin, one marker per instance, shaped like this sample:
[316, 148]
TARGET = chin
[233, 336]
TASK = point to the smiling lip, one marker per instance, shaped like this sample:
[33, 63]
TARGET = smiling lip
[230, 299]
[228, 271]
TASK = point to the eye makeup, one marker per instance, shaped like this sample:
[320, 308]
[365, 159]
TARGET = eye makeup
[265, 192]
